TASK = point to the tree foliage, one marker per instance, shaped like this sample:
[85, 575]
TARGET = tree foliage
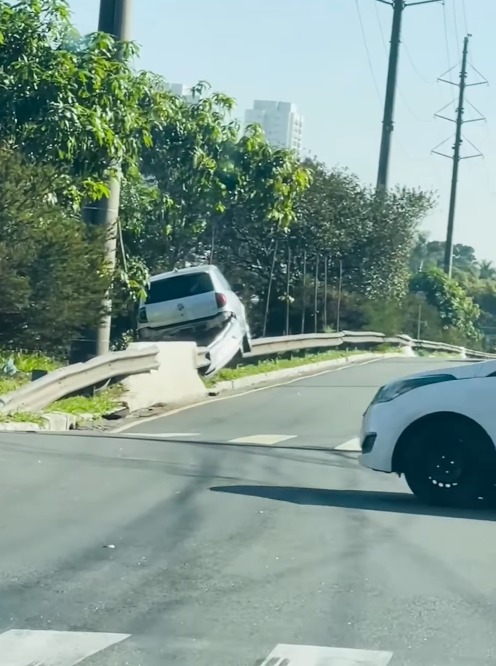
[456, 308]
[52, 267]
[68, 100]
[312, 243]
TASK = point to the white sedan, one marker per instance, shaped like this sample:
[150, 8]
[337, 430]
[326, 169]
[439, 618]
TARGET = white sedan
[438, 429]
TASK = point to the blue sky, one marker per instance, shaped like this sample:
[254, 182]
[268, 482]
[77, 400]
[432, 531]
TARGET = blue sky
[315, 54]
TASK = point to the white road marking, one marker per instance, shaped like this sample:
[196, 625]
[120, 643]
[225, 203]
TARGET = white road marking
[52, 648]
[235, 396]
[308, 655]
[352, 445]
[162, 435]
[266, 440]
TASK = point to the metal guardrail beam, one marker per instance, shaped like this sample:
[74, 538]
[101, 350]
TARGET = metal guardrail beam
[73, 378]
[318, 341]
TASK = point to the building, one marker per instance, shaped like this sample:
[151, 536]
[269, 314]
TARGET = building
[280, 121]
[183, 91]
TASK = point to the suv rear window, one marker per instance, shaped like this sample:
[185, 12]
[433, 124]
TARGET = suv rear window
[182, 286]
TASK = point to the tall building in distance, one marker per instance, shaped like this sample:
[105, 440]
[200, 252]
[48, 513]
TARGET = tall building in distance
[183, 91]
[280, 121]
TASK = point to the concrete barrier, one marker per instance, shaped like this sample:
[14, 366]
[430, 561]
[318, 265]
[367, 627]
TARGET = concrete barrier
[175, 382]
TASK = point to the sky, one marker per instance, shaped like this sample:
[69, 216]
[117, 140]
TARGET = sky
[329, 57]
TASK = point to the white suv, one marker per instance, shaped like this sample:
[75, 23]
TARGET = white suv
[191, 300]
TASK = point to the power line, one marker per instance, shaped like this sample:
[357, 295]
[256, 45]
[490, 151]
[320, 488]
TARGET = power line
[381, 29]
[455, 20]
[446, 43]
[464, 13]
[414, 65]
[367, 51]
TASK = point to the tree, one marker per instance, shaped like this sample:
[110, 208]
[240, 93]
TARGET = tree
[456, 309]
[487, 270]
[207, 195]
[70, 101]
[263, 187]
[370, 234]
[183, 174]
[52, 267]
[338, 221]
[429, 254]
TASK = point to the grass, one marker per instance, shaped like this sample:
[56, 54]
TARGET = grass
[22, 417]
[8, 384]
[25, 364]
[270, 365]
[101, 403]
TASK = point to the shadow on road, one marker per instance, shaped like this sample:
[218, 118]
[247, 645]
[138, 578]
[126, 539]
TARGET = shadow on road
[354, 499]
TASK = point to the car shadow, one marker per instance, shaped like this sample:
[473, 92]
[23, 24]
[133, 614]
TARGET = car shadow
[366, 500]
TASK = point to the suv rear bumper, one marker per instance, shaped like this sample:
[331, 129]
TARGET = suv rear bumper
[148, 332]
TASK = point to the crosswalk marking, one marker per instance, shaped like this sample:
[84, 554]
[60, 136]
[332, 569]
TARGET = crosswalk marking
[68, 648]
[309, 655]
[52, 648]
[352, 445]
[267, 440]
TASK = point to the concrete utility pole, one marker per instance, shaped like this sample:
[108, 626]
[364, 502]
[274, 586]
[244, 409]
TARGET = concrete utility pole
[456, 156]
[114, 19]
[391, 85]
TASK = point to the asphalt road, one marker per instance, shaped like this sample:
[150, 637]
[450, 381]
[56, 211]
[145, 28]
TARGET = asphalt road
[190, 549]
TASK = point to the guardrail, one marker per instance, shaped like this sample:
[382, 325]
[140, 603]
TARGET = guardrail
[318, 341]
[73, 378]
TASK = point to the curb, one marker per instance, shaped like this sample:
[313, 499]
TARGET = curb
[54, 421]
[301, 370]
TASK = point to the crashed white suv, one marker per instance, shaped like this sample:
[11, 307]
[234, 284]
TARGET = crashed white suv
[438, 429]
[193, 300]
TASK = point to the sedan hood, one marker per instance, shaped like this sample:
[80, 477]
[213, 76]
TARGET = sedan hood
[464, 371]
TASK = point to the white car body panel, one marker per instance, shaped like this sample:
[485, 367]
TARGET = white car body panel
[472, 394]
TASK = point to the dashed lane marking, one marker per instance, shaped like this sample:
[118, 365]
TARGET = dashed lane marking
[266, 440]
[161, 435]
[308, 655]
[352, 445]
[52, 648]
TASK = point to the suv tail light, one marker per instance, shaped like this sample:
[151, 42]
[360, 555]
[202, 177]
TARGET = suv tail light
[221, 300]
[142, 318]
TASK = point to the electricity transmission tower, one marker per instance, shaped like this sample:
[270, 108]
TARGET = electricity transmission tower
[456, 155]
[392, 76]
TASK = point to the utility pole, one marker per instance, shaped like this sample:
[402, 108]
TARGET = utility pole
[391, 85]
[114, 19]
[456, 156]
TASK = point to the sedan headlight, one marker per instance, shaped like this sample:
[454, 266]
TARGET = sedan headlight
[391, 391]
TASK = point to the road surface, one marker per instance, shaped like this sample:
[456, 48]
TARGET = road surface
[229, 534]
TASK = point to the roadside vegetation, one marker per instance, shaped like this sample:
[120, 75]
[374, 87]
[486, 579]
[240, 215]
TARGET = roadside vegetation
[316, 247]
[101, 403]
[282, 363]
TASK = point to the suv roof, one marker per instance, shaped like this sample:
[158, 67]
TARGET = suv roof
[205, 268]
